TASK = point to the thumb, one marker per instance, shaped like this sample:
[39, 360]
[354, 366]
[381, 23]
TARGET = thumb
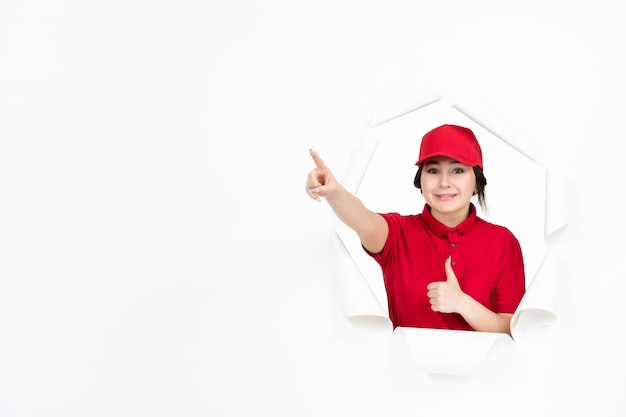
[451, 277]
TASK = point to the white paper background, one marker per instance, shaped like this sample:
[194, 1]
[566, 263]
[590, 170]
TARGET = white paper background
[158, 255]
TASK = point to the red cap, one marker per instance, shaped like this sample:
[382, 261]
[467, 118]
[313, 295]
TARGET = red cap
[456, 142]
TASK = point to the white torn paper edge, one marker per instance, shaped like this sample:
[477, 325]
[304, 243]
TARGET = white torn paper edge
[557, 202]
[499, 129]
[449, 352]
[539, 305]
[359, 296]
[418, 99]
[368, 271]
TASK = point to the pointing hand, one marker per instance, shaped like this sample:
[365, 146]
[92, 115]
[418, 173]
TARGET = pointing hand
[320, 182]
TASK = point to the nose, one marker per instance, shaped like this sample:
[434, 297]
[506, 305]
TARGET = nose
[444, 180]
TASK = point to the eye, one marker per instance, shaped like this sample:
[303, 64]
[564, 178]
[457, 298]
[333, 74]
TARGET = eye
[458, 171]
[432, 170]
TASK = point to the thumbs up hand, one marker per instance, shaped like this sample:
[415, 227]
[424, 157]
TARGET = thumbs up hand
[446, 296]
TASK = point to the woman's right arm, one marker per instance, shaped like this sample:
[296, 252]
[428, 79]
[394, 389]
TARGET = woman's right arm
[370, 226]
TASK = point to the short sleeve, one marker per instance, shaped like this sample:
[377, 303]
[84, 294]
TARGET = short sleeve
[511, 283]
[393, 222]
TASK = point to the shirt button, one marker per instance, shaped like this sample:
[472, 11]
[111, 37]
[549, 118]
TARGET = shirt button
[453, 263]
[453, 245]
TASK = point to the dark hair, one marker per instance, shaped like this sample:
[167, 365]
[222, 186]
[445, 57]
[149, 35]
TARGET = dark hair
[481, 183]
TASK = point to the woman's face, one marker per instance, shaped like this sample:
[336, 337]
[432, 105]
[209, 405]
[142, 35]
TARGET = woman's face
[448, 186]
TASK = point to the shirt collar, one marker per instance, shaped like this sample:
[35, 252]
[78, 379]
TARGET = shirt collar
[441, 230]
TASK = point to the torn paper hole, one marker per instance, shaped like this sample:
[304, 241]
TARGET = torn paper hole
[518, 202]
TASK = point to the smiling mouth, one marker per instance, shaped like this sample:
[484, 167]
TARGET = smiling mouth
[445, 197]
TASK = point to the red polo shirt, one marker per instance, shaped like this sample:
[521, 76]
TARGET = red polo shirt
[487, 260]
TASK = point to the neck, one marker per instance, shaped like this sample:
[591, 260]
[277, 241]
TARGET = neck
[451, 219]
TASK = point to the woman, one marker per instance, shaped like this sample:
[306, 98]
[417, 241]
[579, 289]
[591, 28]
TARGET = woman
[444, 268]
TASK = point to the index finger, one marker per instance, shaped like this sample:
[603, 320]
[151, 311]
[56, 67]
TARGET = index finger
[318, 161]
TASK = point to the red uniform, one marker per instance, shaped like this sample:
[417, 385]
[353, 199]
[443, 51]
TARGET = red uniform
[486, 258]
